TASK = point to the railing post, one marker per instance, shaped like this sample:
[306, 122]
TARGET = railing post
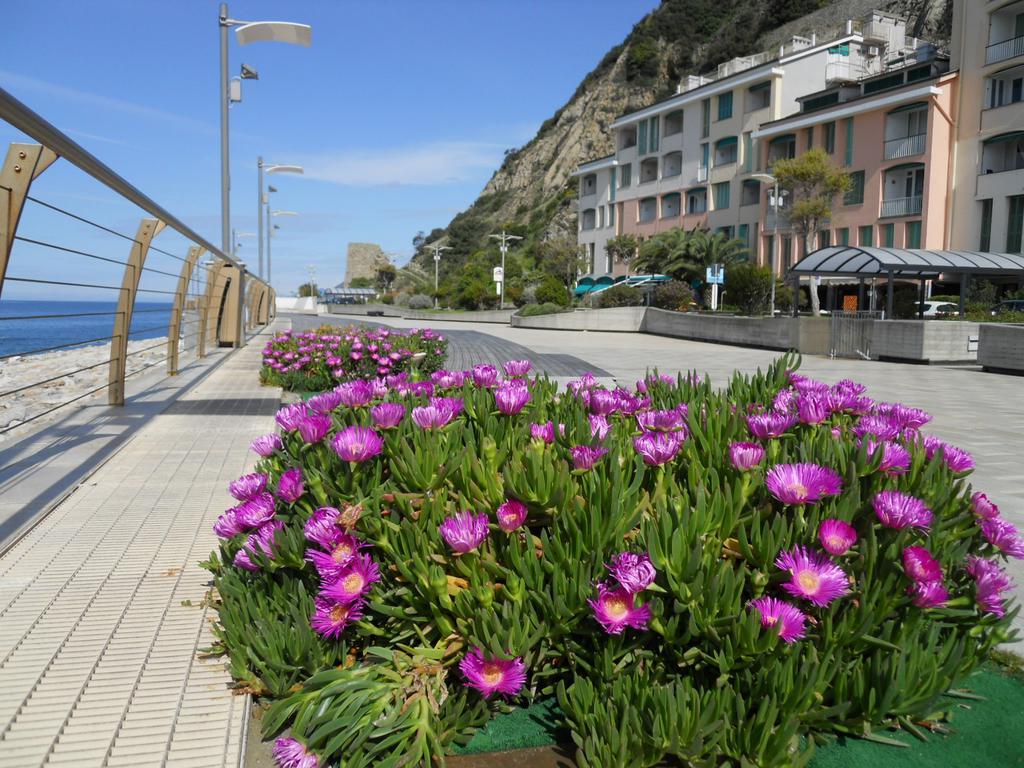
[174, 329]
[148, 229]
[23, 165]
[206, 300]
[230, 330]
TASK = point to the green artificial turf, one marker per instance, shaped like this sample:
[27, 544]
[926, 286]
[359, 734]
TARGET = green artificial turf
[983, 733]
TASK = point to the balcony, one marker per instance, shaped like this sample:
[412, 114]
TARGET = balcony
[702, 173]
[902, 206]
[1005, 49]
[905, 146]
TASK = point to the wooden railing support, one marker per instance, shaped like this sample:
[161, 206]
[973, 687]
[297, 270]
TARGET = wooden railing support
[22, 166]
[148, 229]
[178, 308]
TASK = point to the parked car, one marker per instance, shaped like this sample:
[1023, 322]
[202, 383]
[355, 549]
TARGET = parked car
[1013, 305]
[939, 308]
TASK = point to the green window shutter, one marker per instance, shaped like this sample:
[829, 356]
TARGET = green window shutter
[865, 236]
[641, 141]
[744, 234]
[705, 155]
[848, 160]
[705, 118]
[1015, 225]
[986, 225]
[722, 196]
[655, 131]
[748, 152]
[611, 185]
[830, 138]
[611, 215]
[913, 234]
[725, 106]
[855, 195]
[844, 236]
[888, 235]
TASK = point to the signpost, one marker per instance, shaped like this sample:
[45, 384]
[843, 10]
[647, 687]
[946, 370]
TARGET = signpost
[715, 276]
[499, 279]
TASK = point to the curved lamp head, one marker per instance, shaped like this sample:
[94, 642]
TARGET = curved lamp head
[283, 213]
[274, 32]
[284, 169]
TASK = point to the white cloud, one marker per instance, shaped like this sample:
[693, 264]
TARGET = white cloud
[447, 162]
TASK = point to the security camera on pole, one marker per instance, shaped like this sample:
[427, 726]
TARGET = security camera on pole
[499, 277]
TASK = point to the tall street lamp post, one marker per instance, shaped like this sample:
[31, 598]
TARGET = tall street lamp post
[245, 32]
[437, 261]
[270, 230]
[263, 199]
[503, 238]
[767, 178]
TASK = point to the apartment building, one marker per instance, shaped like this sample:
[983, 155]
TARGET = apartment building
[597, 185]
[893, 132]
[987, 198]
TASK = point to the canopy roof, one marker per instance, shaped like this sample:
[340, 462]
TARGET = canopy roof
[341, 290]
[862, 261]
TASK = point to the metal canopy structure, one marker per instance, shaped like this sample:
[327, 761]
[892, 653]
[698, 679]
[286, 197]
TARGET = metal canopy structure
[863, 263]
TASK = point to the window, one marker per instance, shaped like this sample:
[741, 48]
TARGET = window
[1015, 225]
[855, 194]
[721, 195]
[912, 235]
[627, 137]
[787, 252]
[725, 151]
[727, 231]
[589, 220]
[641, 142]
[600, 217]
[769, 250]
[649, 170]
[653, 130]
[888, 235]
[607, 263]
[824, 238]
[648, 210]
[590, 257]
[759, 96]
[611, 215]
[848, 159]
[782, 148]
[1003, 153]
[671, 165]
[865, 235]
[705, 118]
[844, 235]
[674, 123]
[697, 200]
[809, 137]
[830, 137]
[670, 206]
[750, 192]
[985, 244]
[725, 106]
[588, 184]
[745, 234]
[748, 152]
[627, 175]
[611, 184]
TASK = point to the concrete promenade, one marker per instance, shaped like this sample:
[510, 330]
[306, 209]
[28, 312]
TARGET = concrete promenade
[102, 611]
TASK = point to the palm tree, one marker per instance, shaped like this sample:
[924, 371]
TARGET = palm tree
[658, 254]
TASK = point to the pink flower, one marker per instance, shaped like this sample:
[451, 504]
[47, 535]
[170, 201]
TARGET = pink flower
[290, 753]
[585, 457]
[789, 619]
[769, 425]
[266, 445]
[357, 444]
[990, 582]
[814, 576]
[745, 455]
[812, 408]
[802, 483]
[353, 581]
[634, 572]
[387, 415]
[227, 525]
[314, 428]
[341, 549]
[658, 448]
[511, 399]
[256, 511]
[615, 609]
[603, 402]
[920, 565]
[836, 536]
[248, 486]
[432, 417]
[290, 487]
[517, 368]
[928, 594]
[494, 675]
[956, 459]
[1002, 535]
[325, 402]
[511, 515]
[599, 426]
[895, 458]
[289, 417]
[662, 421]
[260, 541]
[322, 526]
[331, 617]
[355, 394]
[879, 427]
[545, 432]
[485, 376]
[464, 531]
[901, 510]
[983, 507]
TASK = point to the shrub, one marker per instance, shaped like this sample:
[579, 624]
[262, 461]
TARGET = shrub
[388, 298]
[723, 591]
[531, 310]
[749, 287]
[317, 360]
[620, 296]
[420, 301]
[674, 295]
[552, 291]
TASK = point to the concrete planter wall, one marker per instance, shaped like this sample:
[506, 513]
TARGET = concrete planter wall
[807, 335]
[925, 341]
[389, 310]
[622, 319]
[1001, 348]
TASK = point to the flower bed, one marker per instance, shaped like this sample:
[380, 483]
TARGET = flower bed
[317, 360]
[695, 576]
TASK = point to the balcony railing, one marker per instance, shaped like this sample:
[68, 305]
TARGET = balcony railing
[1006, 49]
[902, 206]
[702, 173]
[905, 146]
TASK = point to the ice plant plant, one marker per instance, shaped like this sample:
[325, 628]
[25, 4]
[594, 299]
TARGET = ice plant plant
[813, 577]
[896, 509]
[357, 444]
[493, 675]
[465, 531]
[802, 483]
[788, 620]
[615, 609]
[836, 536]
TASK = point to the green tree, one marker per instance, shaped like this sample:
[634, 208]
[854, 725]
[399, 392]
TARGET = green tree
[308, 289]
[656, 253]
[622, 247]
[813, 182]
[386, 274]
[362, 282]
[563, 259]
[749, 287]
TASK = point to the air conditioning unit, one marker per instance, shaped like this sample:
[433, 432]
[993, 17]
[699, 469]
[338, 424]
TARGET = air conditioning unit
[872, 50]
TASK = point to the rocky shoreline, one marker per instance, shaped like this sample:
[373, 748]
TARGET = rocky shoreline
[25, 370]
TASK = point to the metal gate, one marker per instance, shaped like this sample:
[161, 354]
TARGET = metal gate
[851, 334]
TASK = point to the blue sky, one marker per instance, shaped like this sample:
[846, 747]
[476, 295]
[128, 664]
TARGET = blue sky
[400, 112]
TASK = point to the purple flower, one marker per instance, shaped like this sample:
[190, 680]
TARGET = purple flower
[983, 507]
[602, 402]
[266, 445]
[658, 448]
[289, 417]
[447, 379]
[227, 525]
[615, 609]
[355, 394]
[769, 425]
[628, 404]
[314, 428]
[511, 399]
[745, 455]
[599, 426]
[290, 753]
[901, 510]
[341, 550]
[662, 421]
[585, 456]
[256, 511]
[1002, 535]
[248, 486]
[814, 576]
[583, 383]
[322, 527]
[353, 581]
[511, 515]
[789, 619]
[990, 582]
[879, 427]
[955, 458]
[895, 458]
[387, 415]
[634, 572]
[920, 565]
[495, 675]
[325, 402]
[290, 486]
[331, 617]
[812, 408]
[485, 376]
[836, 536]
[928, 594]
[464, 531]
[802, 483]
[904, 416]
[357, 444]
[260, 541]
[517, 368]
[431, 417]
[545, 432]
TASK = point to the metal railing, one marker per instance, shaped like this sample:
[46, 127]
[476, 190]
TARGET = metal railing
[902, 206]
[905, 146]
[160, 301]
[1004, 49]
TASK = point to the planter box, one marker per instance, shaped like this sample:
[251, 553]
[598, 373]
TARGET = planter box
[621, 319]
[925, 341]
[1001, 348]
[389, 310]
[807, 335]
